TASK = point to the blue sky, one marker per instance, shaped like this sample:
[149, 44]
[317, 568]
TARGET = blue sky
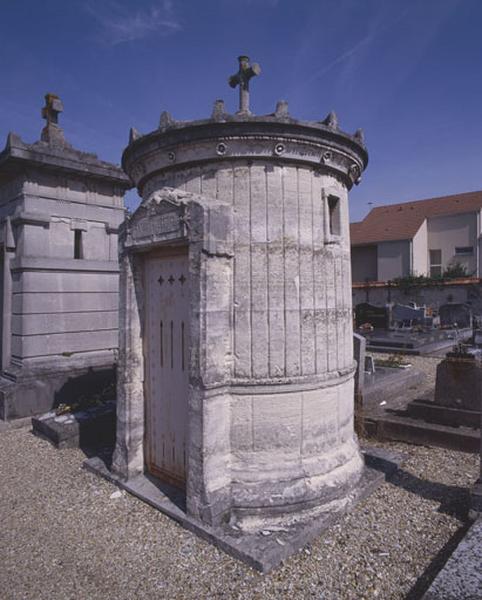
[406, 71]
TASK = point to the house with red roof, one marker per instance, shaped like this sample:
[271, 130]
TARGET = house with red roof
[418, 238]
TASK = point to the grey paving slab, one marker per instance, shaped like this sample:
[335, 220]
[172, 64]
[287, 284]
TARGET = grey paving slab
[461, 577]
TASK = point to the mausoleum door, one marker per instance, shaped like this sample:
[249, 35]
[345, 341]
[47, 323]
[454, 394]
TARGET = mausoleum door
[167, 373]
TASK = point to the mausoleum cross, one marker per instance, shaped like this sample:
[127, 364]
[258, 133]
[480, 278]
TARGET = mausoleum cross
[241, 78]
[53, 106]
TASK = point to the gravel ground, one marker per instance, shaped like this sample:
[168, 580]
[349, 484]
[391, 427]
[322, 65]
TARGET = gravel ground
[64, 536]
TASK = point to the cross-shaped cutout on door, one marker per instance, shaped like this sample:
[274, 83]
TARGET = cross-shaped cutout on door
[171, 280]
[182, 279]
[161, 280]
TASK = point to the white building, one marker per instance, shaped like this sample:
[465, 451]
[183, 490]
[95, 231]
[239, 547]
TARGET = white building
[422, 238]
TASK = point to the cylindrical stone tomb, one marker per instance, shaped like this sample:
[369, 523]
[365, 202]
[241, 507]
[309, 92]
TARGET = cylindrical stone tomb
[236, 275]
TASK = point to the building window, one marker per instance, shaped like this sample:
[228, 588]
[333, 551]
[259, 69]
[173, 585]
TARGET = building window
[435, 263]
[78, 243]
[461, 250]
[334, 215]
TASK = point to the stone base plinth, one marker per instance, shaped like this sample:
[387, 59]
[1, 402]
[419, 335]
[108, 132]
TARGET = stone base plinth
[78, 429]
[35, 388]
[270, 544]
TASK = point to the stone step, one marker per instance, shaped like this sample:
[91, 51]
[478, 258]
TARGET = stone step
[405, 429]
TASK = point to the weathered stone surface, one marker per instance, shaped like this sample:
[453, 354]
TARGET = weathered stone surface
[261, 204]
[458, 383]
[263, 548]
[60, 211]
[458, 315]
[79, 429]
[359, 353]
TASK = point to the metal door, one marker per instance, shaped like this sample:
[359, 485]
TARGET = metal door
[167, 372]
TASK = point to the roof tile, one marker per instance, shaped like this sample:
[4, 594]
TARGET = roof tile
[402, 221]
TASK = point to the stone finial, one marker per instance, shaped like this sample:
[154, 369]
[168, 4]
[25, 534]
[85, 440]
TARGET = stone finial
[331, 120]
[133, 135]
[219, 113]
[281, 109]
[13, 140]
[241, 78]
[360, 136]
[166, 120]
[52, 133]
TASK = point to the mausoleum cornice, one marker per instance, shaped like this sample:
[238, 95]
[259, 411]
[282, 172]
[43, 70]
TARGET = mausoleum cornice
[276, 137]
[18, 156]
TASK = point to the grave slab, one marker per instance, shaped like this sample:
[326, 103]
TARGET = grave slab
[413, 431]
[77, 429]
[430, 411]
[415, 343]
[387, 383]
[461, 577]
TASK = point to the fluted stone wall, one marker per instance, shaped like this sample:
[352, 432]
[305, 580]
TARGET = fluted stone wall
[291, 326]
[271, 407]
[292, 282]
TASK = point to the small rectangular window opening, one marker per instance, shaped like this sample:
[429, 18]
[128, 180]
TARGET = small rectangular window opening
[78, 243]
[435, 263]
[464, 250]
[334, 215]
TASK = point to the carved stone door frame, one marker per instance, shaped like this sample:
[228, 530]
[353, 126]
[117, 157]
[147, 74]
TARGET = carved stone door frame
[167, 219]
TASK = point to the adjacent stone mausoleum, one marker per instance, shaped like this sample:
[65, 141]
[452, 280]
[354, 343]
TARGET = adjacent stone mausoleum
[236, 355]
[60, 210]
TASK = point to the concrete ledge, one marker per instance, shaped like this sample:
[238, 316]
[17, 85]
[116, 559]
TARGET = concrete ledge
[428, 410]
[405, 429]
[78, 429]
[461, 577]
[418, 351]
[64, 264]
[33, 391]
[268, 548]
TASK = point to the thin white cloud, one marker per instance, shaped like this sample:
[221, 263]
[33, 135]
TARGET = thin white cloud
[341, 58]
[120, 23]
[377, 28]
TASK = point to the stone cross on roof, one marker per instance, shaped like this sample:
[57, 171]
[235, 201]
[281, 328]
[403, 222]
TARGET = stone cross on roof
[52, 133]
[53, 106]
[241, 78]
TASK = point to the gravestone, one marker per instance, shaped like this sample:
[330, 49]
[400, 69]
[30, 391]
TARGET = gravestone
[60, 210]
[402, 315]
[457, 392]
[236, 379]
[370, 365]
[359, 354]
[455, 315]
[457, 382]
[377, 316]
